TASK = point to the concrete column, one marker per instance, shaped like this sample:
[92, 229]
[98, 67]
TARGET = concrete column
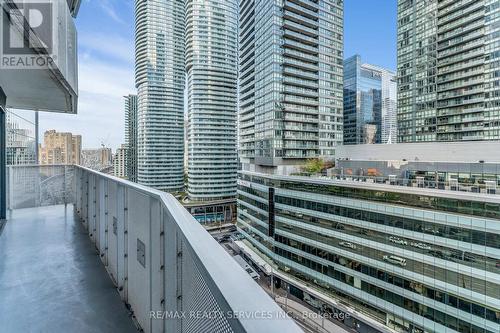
[3, 161]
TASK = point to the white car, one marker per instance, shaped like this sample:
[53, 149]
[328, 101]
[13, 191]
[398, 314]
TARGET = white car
[398, 240]
[431, 231]
[422, 246]
[395, 260]
[348, 244]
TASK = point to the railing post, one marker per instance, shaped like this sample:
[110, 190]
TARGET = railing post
[125, 244]
[65, 173]
[10, 192]
[106, 220]
[92, 204]
[173, 289]
[162, 261]
[38, 172]
[80, 193]
[3, 157]
[77, 190]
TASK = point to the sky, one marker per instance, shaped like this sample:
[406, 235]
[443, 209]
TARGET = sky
[370, 30]
[106, 62]
[106, 74]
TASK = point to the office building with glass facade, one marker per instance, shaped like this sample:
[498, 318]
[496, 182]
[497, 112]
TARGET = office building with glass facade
[291, 59]
[369, 103]
[389, 107]
[415, 259]
[160, 78]
[448, 70]
[212, 76]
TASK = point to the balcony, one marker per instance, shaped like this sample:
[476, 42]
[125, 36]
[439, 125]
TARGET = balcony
[84, 251]
[52, 272]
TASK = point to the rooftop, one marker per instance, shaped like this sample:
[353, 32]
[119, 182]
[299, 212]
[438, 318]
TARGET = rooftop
[472, 152]
[385, 184]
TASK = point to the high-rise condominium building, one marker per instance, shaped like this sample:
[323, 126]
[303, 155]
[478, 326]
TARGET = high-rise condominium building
[212, 73]
[160, 77]
[369, 103]
[120, 162]
[447, 66]
[291, 57]
[60, 148]
[131, 136]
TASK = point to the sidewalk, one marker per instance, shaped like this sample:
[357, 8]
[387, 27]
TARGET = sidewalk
[255, 256]
[306, 317]
[309, 318]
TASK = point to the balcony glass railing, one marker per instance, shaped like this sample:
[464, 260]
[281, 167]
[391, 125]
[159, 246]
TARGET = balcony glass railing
[171, 272]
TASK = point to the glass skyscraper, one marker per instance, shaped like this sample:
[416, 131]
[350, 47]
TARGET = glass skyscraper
[291, 55]
[160, 79]
[448, 70]
[389, 107]
[212, 73]
[131, 137]
[369, 103]
[417, 61]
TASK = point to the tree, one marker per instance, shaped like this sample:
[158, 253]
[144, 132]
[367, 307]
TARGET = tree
[314, 165]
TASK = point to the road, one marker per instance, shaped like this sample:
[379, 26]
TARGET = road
[306, 317]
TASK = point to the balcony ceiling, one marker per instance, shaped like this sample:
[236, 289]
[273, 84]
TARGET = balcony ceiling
[38, 90]
[74, 6]
[53, 88]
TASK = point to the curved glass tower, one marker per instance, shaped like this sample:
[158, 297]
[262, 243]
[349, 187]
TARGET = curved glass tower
[160, 82]
[212, 69]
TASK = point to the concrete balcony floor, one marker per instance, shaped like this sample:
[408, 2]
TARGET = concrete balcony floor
[51, 278]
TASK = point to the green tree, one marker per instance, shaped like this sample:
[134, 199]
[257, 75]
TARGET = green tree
[314, 165]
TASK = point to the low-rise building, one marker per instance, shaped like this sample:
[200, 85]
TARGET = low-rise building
[212, 212]
[414, 256]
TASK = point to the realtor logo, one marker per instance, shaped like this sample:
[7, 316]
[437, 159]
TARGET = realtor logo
[27, 32]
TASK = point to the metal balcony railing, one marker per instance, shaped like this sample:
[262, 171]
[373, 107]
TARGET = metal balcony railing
[171, 272]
